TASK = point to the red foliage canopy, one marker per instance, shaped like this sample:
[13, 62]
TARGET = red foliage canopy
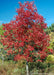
[25, 36]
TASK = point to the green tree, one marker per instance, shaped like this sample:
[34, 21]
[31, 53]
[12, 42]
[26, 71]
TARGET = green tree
[50, 29]
[1, 30]
[1, 46]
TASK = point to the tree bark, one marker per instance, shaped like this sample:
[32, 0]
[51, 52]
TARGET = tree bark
[2, 59]
[27, 68]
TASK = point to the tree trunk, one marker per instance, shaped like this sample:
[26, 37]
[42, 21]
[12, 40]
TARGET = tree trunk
[27, 68]
[2, 59]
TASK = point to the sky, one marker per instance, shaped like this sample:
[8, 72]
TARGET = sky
[44, 8]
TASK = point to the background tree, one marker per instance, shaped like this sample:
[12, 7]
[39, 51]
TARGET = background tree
[50, 29]
[1, 46]
[1, 30]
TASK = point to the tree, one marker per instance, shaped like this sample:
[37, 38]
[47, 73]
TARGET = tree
[1, 30]
[1, 46]
[50, 29]
[52, 40]
[24, 37]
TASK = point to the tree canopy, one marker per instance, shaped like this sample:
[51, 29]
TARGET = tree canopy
[24, 37]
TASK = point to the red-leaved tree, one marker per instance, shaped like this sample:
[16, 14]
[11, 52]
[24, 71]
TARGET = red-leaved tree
[24, 37]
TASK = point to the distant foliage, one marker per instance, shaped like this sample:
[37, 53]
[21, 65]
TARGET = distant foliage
[50, 59]
[52, 40]
[1, 30]
[50, 29]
